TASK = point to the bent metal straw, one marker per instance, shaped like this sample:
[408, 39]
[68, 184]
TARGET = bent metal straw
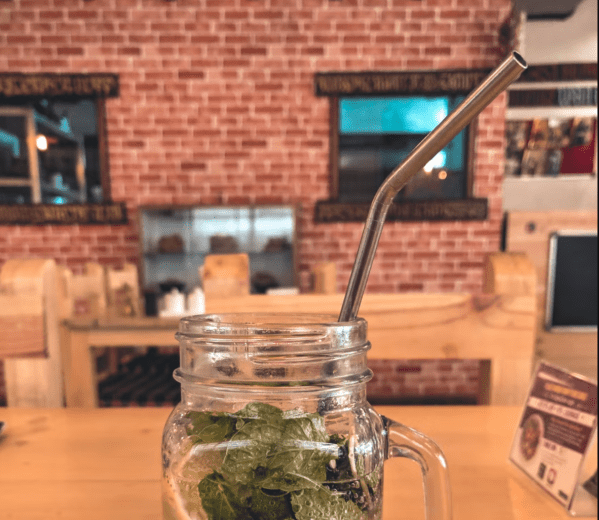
[493, 85]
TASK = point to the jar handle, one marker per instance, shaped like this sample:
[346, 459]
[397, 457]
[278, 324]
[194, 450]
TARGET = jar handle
[403, 441]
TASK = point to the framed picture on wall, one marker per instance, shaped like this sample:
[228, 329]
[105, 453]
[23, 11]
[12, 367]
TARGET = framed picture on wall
[579, 157]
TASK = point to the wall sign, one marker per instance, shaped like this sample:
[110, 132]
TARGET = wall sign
[36, 214]
[462, 209]
[559, 72]
[382, 83]
[13, 86]
[553, 97]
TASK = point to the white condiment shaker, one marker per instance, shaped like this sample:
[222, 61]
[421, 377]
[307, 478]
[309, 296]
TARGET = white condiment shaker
[196, 302]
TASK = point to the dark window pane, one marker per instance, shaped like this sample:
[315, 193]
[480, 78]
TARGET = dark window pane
[14, 160]
[376, 134]
[67, 164]
[15, 195]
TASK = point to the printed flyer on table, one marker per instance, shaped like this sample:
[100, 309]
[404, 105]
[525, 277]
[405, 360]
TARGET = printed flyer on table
[555, 430]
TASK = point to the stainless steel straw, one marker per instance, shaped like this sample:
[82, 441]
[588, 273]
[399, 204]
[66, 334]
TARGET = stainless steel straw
[499, 79]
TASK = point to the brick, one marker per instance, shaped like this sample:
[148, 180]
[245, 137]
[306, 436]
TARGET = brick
[437, 51]
[82, 14]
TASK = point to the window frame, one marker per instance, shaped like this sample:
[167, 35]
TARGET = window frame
[337, 85]
[33, 181]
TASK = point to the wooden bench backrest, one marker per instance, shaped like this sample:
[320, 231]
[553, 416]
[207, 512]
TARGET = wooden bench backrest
[497, 328]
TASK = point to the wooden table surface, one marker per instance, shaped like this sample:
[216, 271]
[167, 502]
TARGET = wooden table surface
[104, 464]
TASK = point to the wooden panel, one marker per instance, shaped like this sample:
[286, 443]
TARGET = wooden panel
[21, 335]
[226, 275]
[529, 232]
[87, 292]
[122, 291]
[509, 273]
[325, 278]
[36, 382]
[418, 325]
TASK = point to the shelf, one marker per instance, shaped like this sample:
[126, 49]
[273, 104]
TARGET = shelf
[13, 181]
[526, 113]
[563, 192]
[204, 253]
[197, 229]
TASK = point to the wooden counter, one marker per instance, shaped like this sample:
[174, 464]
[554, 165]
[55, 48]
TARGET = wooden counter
[101, 464]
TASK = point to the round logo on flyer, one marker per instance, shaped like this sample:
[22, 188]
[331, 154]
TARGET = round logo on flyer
[532, 433]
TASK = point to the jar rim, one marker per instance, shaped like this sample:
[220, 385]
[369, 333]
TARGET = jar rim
[277, 348]
[240, 322]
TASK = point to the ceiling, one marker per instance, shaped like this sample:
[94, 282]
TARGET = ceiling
[547, 9]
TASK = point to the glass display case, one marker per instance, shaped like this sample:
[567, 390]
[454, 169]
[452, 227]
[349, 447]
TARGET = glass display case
[174, 242]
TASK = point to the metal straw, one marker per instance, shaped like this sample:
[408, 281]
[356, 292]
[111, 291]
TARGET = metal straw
[493, 85]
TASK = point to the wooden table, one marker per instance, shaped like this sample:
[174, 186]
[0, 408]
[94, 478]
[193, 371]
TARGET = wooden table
[101, 464]
[79, 337]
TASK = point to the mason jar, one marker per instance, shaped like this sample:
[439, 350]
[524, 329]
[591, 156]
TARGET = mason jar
[274, 424]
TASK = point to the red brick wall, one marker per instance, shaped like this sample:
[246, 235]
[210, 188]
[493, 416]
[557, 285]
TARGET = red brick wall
[217, 105]
[448, 381]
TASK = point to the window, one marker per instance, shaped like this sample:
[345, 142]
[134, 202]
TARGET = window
[50, 152]
[377, 119]
[375, 134]
[53, 150]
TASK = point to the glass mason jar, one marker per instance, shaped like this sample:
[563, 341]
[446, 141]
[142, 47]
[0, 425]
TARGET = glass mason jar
[274, 424]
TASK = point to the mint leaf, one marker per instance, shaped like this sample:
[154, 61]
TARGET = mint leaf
[299, 460]
[248, 449]
[321, 504]
[278, 480]
[199, 421]
[220, 501]
[211, 427]
[260, 411]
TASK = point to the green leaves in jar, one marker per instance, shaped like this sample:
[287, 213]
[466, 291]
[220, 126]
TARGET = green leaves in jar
[275, 466]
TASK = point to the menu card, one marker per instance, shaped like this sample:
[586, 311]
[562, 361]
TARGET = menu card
[555, 431]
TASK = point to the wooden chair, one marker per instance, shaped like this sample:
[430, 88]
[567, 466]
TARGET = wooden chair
[122, 292]
[324, 278]
[224, 276]
[86, 293]
[31, 309]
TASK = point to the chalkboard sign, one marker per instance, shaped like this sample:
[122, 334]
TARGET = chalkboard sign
[572, 282]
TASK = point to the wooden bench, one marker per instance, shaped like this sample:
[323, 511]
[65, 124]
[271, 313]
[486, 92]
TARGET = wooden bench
[497, 327]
